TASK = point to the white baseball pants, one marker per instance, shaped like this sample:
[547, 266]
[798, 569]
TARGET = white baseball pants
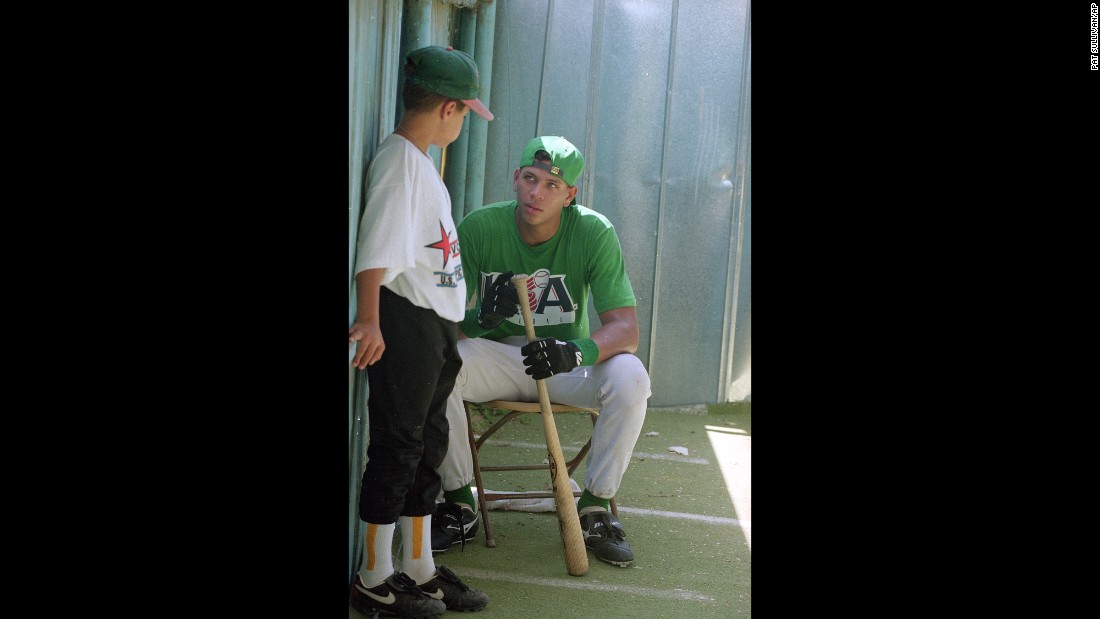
[491, 370]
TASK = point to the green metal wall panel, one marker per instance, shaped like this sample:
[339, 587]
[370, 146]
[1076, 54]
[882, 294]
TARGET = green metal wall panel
[373, 48]
[655, 94]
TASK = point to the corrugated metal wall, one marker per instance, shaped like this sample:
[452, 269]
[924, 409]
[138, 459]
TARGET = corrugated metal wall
[373, 49]
[656, 95]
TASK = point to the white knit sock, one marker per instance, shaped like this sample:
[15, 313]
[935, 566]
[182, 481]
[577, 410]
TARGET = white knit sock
[378, 554]
[416, 548]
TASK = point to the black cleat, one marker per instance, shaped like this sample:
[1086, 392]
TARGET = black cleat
[452, 523]
[397, 596]
[605, 535]
[455, 594]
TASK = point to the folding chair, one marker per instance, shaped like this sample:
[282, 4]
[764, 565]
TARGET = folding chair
[514, 410]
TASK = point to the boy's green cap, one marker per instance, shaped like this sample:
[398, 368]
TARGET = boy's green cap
[449, 72]
[566, 162]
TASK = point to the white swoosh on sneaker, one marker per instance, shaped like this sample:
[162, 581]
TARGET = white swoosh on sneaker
[389, 599]
[437, 594]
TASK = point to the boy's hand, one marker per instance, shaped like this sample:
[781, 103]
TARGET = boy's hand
[369, 345]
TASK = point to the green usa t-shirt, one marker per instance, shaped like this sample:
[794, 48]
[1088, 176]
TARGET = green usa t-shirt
[583, 258]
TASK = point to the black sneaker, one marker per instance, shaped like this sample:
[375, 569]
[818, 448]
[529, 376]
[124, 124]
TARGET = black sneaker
[455, 594]
[397, 596]
[452, 523]
[604, 534]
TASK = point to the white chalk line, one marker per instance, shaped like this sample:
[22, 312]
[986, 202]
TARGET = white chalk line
[561, 583]
[744, 524]
[638, 454]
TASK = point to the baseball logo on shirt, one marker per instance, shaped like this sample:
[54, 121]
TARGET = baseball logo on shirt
[547, 296]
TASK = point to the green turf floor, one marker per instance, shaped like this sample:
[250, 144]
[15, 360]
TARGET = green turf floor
[687, 517]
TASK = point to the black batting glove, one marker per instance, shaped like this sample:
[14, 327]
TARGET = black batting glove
[547, 357]
[499, 302]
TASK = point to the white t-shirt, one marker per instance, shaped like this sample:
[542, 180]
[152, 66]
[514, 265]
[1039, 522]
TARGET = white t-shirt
[408, 230]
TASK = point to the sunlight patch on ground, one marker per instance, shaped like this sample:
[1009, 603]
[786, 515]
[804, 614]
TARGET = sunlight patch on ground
[733, 450]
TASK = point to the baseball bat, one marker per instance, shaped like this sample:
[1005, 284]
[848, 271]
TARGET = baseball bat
[576, 555]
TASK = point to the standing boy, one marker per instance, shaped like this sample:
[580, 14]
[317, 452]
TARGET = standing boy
[570, 252]
[410, 293]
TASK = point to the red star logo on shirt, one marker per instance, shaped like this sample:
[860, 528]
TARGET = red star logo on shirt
[443, 244]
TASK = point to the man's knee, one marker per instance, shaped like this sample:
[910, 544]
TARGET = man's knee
[629, 368]
[627, 375]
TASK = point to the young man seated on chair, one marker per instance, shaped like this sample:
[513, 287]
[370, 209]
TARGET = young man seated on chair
[570, 252]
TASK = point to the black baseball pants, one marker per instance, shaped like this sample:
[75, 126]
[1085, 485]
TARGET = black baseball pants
[407, 404]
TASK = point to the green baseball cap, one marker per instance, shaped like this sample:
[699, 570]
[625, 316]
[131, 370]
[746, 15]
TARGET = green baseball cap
[566, 162]
[449, 72]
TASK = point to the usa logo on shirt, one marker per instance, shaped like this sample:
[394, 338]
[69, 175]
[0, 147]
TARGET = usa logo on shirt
[546, 295]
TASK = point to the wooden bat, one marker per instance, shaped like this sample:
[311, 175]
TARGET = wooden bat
[576, 555]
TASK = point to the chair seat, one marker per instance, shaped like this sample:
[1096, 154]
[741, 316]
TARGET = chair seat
[535, 407]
